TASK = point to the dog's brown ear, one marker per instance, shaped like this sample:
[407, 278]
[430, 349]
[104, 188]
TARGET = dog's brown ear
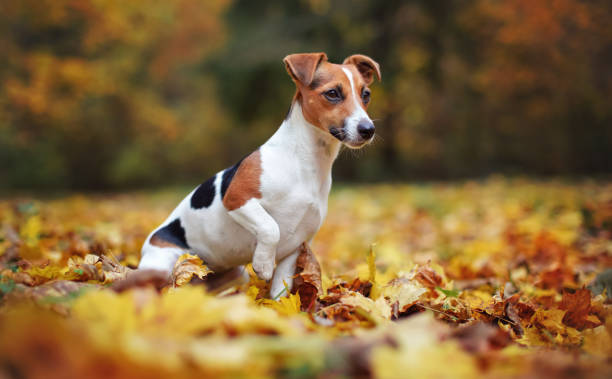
[302, 67]
[365, 65]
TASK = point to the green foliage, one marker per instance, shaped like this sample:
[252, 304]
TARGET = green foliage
[449, 293]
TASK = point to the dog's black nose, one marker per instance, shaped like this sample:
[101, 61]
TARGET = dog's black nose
[365, 129]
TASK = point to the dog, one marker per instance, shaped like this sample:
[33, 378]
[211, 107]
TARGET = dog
[262, 209]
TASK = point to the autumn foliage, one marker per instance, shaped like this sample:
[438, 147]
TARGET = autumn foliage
[502, 278]
[113, 94]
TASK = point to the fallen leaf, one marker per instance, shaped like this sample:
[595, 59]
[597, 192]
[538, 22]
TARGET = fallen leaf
[480, 337]
[428, 277]
[578, 305]
[402, 291]
[307, 280]
[186, 267]
[142, 278]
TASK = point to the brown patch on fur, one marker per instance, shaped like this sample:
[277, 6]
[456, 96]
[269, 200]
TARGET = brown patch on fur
[314, 75]
[246, 183]
[317, 109]
[160, 242]
[302, 67]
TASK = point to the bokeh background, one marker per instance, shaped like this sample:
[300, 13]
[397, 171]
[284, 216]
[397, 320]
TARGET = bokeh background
[109, 94]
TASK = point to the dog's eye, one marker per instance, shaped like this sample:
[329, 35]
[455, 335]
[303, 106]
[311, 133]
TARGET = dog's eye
[365, 95]
[333, 95]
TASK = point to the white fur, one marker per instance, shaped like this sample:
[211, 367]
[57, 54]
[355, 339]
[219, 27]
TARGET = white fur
[254, 218]
[359, 114]
[283, 275]
[295, 182]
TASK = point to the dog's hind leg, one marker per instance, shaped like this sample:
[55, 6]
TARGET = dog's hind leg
[155, 268]
[163, 247]
[159, 258]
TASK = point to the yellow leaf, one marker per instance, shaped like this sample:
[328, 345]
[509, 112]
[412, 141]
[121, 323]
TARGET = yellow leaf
[378, 311]
[186, 267]
[44, 274]
[597, 341]
[551, 319]
[421, 353]
[374, 291]
[31, 230]
[405, 292]
[285, 305]
[476, 298]
[372, 264]
[252, 292]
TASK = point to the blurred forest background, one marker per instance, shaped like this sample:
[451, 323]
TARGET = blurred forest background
[101, 94]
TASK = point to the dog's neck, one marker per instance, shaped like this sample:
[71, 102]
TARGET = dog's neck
[314, 148]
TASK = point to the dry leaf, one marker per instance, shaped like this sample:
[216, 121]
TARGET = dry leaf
[307, 280]
[186, 267]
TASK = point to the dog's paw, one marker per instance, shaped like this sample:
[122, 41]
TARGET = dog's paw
[263, 268]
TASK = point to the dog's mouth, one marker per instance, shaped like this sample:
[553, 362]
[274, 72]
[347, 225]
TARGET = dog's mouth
[357, 144]
[338, 133]
[341, 135]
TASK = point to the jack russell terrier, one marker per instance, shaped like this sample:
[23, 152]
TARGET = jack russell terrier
[262, 209]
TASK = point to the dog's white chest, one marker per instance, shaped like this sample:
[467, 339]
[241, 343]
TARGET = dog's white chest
[299, 220]
[298, 206]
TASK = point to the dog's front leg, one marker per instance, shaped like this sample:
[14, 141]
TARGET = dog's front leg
[254, 218]
[282, 282]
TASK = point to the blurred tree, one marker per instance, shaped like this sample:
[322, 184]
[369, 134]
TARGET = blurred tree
[469, 87]
[98, 93]
[107, 93]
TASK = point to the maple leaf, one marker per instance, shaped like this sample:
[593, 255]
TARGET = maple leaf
[578, 306]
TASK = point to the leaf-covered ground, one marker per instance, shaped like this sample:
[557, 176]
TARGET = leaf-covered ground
[501, 278]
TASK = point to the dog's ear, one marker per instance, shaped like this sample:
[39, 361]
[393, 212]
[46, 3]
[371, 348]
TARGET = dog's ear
[366, 66]
[302, 67]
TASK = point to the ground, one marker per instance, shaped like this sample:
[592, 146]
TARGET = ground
[497, 278]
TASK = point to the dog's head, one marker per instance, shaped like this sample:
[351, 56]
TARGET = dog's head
[335, 97]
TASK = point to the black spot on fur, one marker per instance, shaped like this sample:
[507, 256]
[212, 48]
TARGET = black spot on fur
[204, 195]
[228, 175]
[173, 233]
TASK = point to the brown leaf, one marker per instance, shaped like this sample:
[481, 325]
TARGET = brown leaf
[307, 281]
[142, 278]
[112, 269]
[23, 278]
[525, 311]
[480, 337]
[555, 278]
[55, 295]
[428, 277]
[360, 286]
[512, 315]
[578, 306]
[88, 272]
